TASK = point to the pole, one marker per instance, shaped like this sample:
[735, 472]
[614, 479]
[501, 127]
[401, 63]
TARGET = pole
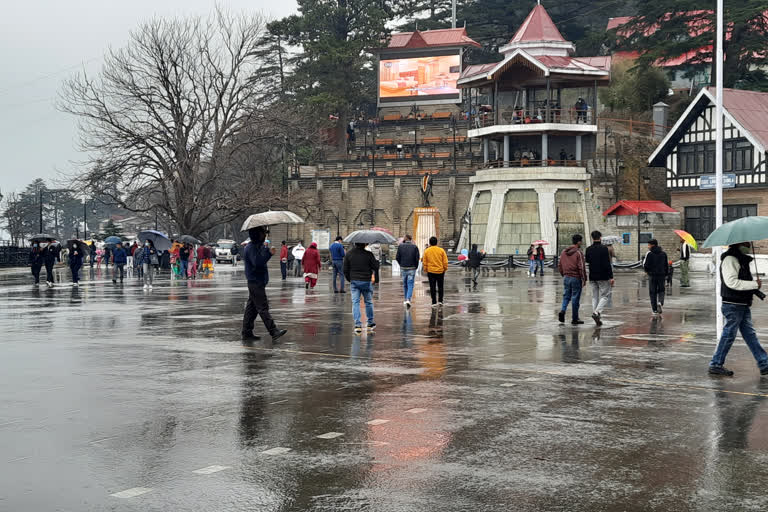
[719, 158]
[85, 219]
[41, 210]
[454, 136]
[605, 155]
[453, 14]
[155, 220]
[638, 216]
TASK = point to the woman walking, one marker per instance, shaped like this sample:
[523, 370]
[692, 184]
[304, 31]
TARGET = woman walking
[36, 261]
[531, 261]
[475, 260]
[312, 265]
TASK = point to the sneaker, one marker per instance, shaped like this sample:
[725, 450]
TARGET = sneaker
[250, 337]
[561, 317]
[721, 370]
[577, 322]
[434, 305]
[371, 327]
[358, 329]
[146, 286]
[114, 281]
[278, 334]
[342, 291]
[440, 304]
[76, 285]
[659, 309]
[306, 286]
[335, 291]
[596, 318]
[150, 287]
[408, 304]
[405, 303]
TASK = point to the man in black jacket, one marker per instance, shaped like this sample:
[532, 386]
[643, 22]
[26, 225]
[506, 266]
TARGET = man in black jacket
[738, 288]
[408, 258]
[359, 266]
[656, 266]
[601, 280]
[475, 259]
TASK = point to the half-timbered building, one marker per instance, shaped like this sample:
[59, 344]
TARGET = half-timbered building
[688, 154]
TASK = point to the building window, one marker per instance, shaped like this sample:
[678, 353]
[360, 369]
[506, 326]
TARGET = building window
[699, 158]
[645, 237]
[700, 220]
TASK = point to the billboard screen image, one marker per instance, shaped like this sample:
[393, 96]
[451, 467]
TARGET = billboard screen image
[419, 76]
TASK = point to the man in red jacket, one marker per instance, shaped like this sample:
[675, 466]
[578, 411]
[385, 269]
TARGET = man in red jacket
[574, 272]
[284, 260]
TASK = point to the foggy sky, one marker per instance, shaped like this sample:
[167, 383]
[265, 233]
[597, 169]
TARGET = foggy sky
[42, 42]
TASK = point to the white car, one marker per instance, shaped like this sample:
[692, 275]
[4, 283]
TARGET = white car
[224, 250]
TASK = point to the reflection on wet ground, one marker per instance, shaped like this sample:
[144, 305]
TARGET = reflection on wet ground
[114, 398]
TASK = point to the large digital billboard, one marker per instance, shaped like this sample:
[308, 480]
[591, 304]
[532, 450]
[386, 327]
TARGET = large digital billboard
[419, 78]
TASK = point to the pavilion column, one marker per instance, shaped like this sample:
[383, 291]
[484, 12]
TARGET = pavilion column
[544, 148]
[578, 147]
[548, 119]
[485, 150]
[506, 151]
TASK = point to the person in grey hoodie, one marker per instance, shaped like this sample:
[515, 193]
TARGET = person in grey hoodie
[408, 258]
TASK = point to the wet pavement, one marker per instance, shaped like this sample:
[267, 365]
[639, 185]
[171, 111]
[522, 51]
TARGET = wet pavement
[116, 398]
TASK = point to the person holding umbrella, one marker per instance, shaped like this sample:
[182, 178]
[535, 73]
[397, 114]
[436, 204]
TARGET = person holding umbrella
[539, 256]
[358, 267]
[92, 257]
[36, 261]
[738, 286]
[75, 262]
[51, 253]
[255, 257]
[147, 260]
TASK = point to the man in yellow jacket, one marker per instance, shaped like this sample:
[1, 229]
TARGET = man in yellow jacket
[435, 263]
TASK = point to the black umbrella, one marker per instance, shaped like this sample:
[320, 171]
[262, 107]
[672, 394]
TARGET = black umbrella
[189, 239]
[369, 236]
[42, 237]
[79, 245]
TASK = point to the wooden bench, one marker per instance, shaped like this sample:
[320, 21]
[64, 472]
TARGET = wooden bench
[445, 154]
[389, 156]
[431, 140]
[384, 142]
[392, 117]
[441, 115]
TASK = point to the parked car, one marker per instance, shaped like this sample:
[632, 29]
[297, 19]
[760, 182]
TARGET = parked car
[224, 250]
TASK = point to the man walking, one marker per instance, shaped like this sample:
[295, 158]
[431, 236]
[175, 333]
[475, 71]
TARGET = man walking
[435, 262]
[574, 272]
[539, 260]
[298, 253]
[359, 266]
[738, 287]
[685, 255]
[598, 257]
[119, 258]
[184, 260]
[284, 260]
[337, 260]
[256, 256]
[408, 259]
[656, 265]
[92, 253]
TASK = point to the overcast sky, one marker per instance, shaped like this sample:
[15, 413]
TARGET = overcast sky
[41, 43]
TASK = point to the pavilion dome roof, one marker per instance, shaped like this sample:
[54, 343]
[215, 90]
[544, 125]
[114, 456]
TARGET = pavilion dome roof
[539, 35]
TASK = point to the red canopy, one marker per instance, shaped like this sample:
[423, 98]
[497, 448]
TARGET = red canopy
[625, 207]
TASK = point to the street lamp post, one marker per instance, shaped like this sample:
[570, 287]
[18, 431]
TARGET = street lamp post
[41, 210]
[453, 123]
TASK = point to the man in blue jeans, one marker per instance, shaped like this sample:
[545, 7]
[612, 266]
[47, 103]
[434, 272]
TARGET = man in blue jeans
[337, 259]
[359, 266]
[574, 272]
[738, 288]
[408, 258]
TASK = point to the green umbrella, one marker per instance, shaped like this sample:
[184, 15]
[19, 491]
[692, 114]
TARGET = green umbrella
[741, 230]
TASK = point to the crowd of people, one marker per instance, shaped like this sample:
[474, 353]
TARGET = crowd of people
[359, 266]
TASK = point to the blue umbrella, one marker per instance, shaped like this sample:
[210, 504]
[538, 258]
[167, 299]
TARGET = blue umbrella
[112, 240]
[160, 240]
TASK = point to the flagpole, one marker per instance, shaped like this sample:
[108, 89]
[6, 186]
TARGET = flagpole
[718, 156]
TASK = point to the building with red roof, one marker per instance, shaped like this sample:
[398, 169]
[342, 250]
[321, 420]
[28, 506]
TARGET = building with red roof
[688, 154]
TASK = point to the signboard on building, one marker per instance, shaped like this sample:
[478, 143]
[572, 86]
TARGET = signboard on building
[708, 181]
[322, 237]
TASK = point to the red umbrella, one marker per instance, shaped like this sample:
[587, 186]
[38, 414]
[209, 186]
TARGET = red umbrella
[540, 242]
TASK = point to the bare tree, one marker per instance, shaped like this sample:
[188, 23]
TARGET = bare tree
[166, 120]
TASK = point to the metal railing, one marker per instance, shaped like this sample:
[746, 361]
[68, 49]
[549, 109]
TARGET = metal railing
[533, 116]
[495, 164]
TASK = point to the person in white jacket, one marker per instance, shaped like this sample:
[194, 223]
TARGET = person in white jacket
[298, 253]
[737, 290]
